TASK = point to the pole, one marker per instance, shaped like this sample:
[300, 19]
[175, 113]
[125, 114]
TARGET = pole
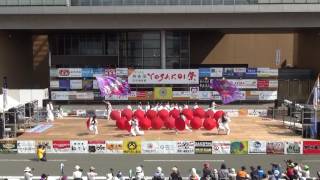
[163, 49]
[5, 94]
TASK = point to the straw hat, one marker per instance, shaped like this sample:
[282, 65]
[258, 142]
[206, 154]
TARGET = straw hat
[27, 169]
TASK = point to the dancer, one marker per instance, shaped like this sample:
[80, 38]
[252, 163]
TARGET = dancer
[129, 107]
[139, 106]
[224, 123]
[213, 106]
[148, 107]
[108, 109]
[195, 105]
[60, 112]
[50, 116]
[92, 124]
[135, 130]
[183, 117]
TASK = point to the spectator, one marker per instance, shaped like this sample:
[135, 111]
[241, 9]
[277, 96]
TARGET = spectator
[277, 170]
[261, 173]
[254, 173]
[27, 174]
[158, 175]
[175, 175]
[77, 174]
[232, 174]
[271, 176]
[120, 176]
[206, 171]
[43, 177]
[41, 153]
[305, 173]
[194, 175]
[110, 177]
[223, 172]
[215, 174]
[242, 174]
[139, 173]
[91, 175]
[290, 171]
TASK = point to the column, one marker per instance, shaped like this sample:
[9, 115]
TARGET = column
[163, 49]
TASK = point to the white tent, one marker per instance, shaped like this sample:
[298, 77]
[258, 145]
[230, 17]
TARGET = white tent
[11, 102]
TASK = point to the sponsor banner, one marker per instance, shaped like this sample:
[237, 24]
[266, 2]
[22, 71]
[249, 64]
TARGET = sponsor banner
[76, 84]
[132, 147]
[185, 147]
[221, 147]
[275, 147]
[243, 95]
[268, 95]
[70, 72]
[228, 72]
[203, 147]
[8, 146]
[95, 84]
[97, 96]
[72, 95]
[273, 83]
[252, 95]
[267, 72]
[159, 147]
[110, 72]
[163, 93]
[311, 147]
[164, 76]
[251, 72]
[194, 92]
[47, 143]
[122, 71]
[216, 72]
[26, 147]
[244, 83]
[87, 72]
[64, 84]
[257, 112]
[87, 84]
[79, 146]
[98, 72]
[84, 96]
[60, 95]
[181, 95]
[232, 112]
[54, 84]
[204, 84]
[54, 72]
[149, 147]
[216, 96]
[293, 147]
[243, 112]
[117, 97]
[61, 146]
[263, 84]
[257, 147]
[204, 72]
[239, 147]
[97, 147]
[114, 147]
[239, 72]
[205, 95]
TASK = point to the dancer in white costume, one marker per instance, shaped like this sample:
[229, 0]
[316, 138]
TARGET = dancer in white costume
[183, 117]
[148, 107]
[195, 105]
[129, 107]
[108, 109]
[50, 115]
[224, 124]
[135, 130]
[94, 125]
[140, 106]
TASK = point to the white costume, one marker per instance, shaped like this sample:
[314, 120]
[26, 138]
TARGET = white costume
[185, 119]
[135, 128]
[60, 113]
[224, 126]
[129, 107]
[213, 106]
[91, 175]
[147, 108]
[27, 174]
[139, 173]
[195, 106]
[93, 125]
[50, 116]
[140, 107]
[185, 107]
[77, 174]
[160, 108]
[109, 110]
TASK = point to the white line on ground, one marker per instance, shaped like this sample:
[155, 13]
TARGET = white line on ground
[29, 160]
[182, 160]
[315, 160]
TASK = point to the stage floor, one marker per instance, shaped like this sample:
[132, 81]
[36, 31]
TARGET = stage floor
[242, 128]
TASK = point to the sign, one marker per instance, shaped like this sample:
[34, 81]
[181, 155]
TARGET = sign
[159, 147]
[239, 147]
[75, 84]
[163, 93]
[257, 112]
[239, 72]
[232, 112]
[204, 72]
[26, 146]
[54, 84]
[116, 97]
[61, 146]
[122, 71]
[221, 147]
[268, 95]
[216, 72]
[95, 84]
[87, 84]
[244, 83]
[263, 84]
[132, 147]
[228, 72]
[8, 146]
[311, 147]
[98, 72]
[84, 96]
[47, 143]
[54, 72]
[79, 146]
[252, 95]
[60, 95]
[273, 83]
[97, 147]
[185, 147]
[114, 147]
[70, 72]
[87, 72]
[203, 147]
[251, 72]
[257, 147]
[64, 84]
[194, 92]
[205, 95]
[216, 96]
[164, 76]
[181, 95]
[275, 148]
[110, 72]
[204, 84]
[293, 147]
[267, 72]
[149, 147]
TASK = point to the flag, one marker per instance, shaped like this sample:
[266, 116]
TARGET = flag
[227, 90]
[109, 86]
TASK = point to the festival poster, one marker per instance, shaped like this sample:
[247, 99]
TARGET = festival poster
[203, 147]
[311, 147]
[293, 147]
[275, 147]
[185, 147]
[257, 147]
[79, 146]
[47, 143]
[163, 93]
[97, 146]
[131, 147]
[26, 146]
[221, 147]
[114, 147]
[239, 147]
[61, 146]
[8, 146]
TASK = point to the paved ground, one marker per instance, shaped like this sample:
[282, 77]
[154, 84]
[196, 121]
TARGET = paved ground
[14, 164]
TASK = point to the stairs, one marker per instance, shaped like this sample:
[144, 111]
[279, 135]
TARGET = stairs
[40, 47]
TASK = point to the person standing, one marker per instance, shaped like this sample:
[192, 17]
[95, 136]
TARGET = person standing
[223, 172]
[139, 173]
[77, 174]
[50, 115]
[135, 130]
[147, 107]
[159, 174]
[175, 175]
[108, 109]
[94, 124]
[27, 174]
[194, 175]
[206, 171]
[91, 175]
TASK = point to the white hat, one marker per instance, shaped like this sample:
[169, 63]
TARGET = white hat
[175, 169]
[233, 170]
[77, 167]
[92, 168]
[138, 169]
[159, 169]
[27, 169]
[193, 171]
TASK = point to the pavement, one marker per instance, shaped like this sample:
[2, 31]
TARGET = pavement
[14, 164]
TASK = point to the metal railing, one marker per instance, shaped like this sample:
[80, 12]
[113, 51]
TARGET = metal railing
[33, 2]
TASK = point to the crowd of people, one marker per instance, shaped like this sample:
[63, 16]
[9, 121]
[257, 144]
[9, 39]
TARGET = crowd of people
[291, 171]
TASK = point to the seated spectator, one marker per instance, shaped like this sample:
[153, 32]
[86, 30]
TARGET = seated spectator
[206, 171]
[175, 175]
[223, 172]
[271, 176]
[158, 175]
[232, 174]
[43, 177]
[139, 173]
[261, 173]
[91, 175]
[254, 173]
[77, 174]
[215, 174]
[242, 174]
[27, 174]
[194, 175]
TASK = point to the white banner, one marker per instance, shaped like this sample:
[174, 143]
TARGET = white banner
[60, 95]
[84, 96]
[149, 147]
[267, 72]
[221, 147]
[76, 84]
[114, 147]
[257, 112]
[245, 83]
[232, 112]
[54, 72]
[292, 147]
[273, 83]
[70, 72]
[194, 92]
[159, 147]
[97, 147]
[205, 95]
[257, 147]
[26, 146]
[216, 72]
[54, 84]
[180, 94]
[79, 146]
[95, 84]
[122, 71]
[117, 97]
[164, 76]
[185, 147]
[268, 95]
